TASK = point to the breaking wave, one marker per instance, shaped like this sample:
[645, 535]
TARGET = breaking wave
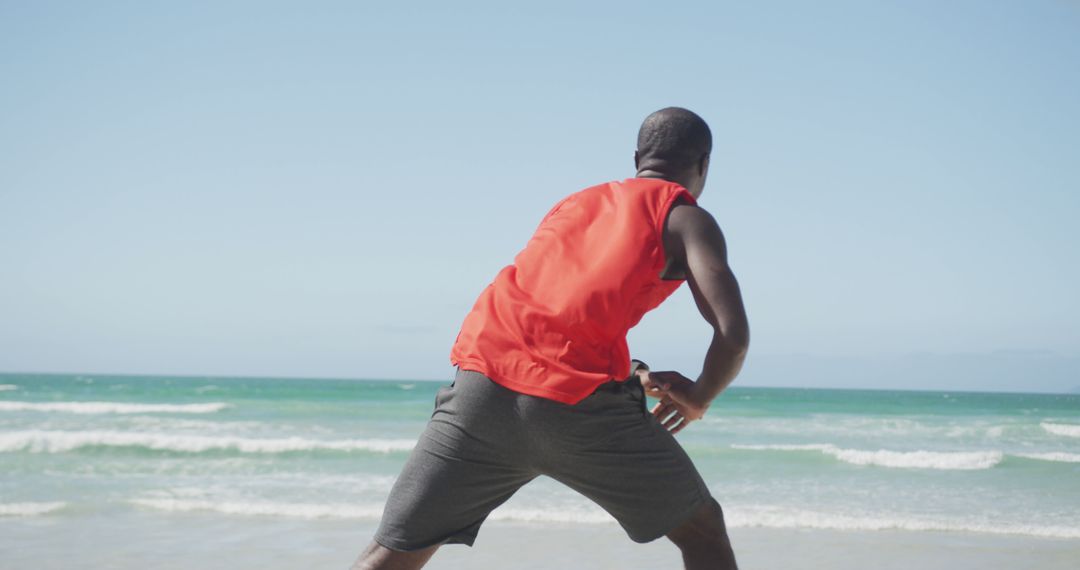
[1058, 456]
[336, 511]
[775, 517]
[739, 517]
[8, 387]
[39, 441]
[569, 516]
[785, 447]
[29, 509]
[263, 508]
[1068, 430]
[113, 407]
[945, 460]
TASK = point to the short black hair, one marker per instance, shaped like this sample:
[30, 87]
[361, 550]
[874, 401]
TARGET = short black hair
[673, 137]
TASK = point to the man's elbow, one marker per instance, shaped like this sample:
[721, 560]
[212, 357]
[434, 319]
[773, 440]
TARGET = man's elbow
[735, 341]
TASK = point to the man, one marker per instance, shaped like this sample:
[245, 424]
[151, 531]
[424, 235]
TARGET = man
[545, 384]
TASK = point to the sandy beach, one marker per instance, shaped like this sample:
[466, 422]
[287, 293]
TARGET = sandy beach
[138, 540]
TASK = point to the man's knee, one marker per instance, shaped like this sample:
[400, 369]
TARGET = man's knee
[705, 528]
[379, 557]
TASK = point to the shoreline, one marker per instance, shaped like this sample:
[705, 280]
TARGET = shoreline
[135, 540]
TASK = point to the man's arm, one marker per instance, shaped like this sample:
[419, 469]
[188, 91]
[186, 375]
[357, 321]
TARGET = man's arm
[694, 239]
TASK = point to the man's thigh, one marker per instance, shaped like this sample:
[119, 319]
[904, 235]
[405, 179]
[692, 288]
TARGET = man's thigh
[464, 465]
[620, 457]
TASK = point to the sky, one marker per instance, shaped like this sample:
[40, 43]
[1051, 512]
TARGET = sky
[322, 189]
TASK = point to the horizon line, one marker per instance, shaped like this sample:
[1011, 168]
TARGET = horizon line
[1073, 391]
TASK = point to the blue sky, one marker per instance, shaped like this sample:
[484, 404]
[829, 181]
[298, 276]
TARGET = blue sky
[322, 189]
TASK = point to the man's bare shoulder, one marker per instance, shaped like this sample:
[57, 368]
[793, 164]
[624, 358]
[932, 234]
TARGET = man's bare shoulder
[687, 219]
[689, 227]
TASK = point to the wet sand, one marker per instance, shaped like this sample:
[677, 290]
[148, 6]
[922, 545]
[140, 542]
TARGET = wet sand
[137, 540]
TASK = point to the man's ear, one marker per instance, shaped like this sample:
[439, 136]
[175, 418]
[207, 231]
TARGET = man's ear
[703, 164]
[637, 160]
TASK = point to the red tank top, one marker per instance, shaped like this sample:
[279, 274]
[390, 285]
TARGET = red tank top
[554, 323]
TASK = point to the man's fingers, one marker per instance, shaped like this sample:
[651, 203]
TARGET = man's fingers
[656, 390]
[663, 413]
[668, 414]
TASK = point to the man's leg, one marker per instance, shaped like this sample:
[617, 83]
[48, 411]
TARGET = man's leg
[703, 540]
[609, 448]
[379, 557]
[471, 457]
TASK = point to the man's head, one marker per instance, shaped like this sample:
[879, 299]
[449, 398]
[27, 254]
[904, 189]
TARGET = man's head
[674, 144]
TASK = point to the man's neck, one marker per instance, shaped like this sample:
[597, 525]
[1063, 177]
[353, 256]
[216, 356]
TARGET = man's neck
[648, 173]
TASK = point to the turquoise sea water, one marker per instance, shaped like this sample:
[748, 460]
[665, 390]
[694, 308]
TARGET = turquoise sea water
[250, 449]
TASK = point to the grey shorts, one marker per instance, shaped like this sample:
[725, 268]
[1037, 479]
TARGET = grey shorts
[485, 441]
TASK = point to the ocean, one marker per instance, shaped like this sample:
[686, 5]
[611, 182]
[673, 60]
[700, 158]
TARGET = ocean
[149, 472]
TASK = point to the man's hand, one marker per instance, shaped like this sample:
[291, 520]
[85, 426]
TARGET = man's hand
[681, 402]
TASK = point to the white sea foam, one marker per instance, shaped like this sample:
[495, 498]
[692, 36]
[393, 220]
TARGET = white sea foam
[947, 460]
[354, 483]
[112, 407]
[1068, 430]
[338, 511]
[829, 427]
[39, 441]
[782, 517]
[264, 508]
[1058, 456]
[736, 516]
[29, 509]
[920, 459]
[561, 515]
[786, 447]
[188, 424]
[969, 430]
[8, 387]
